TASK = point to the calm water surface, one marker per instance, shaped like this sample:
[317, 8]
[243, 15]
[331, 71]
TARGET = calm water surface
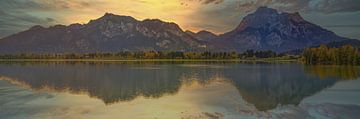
[178, 90]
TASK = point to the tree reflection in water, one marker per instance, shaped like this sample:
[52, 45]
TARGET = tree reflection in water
[346, 72]
[264, 85]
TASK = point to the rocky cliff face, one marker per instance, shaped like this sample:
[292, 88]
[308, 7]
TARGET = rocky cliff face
[268, 29]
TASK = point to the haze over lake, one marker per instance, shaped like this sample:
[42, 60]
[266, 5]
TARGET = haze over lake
[177, 90]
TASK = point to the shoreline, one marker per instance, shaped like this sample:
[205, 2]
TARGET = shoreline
[149, 60]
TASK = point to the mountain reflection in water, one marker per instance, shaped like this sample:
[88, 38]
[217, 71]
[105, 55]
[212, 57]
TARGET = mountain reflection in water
[264, 85]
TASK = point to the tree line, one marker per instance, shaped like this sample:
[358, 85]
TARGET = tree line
[149, 55]
[345, 55]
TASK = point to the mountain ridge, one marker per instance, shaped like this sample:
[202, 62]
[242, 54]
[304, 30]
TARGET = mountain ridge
[109, 33]
[265, 29]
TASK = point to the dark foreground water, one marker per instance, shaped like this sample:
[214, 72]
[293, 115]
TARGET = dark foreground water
[178, 90]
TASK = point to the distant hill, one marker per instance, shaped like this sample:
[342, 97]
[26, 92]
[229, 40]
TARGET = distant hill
[265, 29]
[202, 35]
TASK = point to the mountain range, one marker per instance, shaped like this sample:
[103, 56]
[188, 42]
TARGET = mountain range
[265, 29]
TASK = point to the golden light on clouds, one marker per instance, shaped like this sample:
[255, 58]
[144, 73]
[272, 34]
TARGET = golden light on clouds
[218, 16]
[167, 10]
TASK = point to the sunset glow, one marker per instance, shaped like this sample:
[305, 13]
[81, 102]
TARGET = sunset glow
[218, 16]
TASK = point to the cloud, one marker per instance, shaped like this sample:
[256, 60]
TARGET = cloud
[215, 15]
[332, 6]
[50, 19]
[204, 1]
[219, 19]
[18, 15]
[15, 21]
[14, 16]
[227, 15]
[322, 6]
[344, 26]
[212, 1]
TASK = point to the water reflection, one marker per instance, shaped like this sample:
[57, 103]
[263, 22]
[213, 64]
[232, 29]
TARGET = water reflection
[342, 72]
[267, 86]
[263, 85]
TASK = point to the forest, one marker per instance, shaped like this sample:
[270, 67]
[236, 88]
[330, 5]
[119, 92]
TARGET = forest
[344, 55]
[322, 55]
[127, 55]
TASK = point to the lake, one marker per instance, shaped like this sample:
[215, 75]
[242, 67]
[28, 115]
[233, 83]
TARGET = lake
[166, 90]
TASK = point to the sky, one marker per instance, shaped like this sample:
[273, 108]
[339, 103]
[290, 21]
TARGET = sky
[218, 16]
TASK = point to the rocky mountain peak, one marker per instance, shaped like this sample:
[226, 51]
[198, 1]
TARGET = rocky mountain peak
[110, 16]
[37, 27]
[113, 18]
[265, 17]
[107, 14]
[261, 17]
[159, 24]
[265, 11]
[294, 16]
[75, 26]
[57, 26]
[268, 29]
